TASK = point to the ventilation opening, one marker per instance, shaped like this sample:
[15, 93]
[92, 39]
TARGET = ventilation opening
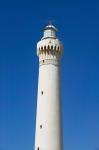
[40, 126]
[42, 92]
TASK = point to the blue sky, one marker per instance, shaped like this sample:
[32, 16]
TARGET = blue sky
[21, 26]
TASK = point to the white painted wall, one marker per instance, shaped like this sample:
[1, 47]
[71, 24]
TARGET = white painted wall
[49, 109]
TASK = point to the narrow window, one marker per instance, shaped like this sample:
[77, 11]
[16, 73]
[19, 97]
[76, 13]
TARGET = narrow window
[43, 61]
[38, 148]
[40, 126]
[42, 92]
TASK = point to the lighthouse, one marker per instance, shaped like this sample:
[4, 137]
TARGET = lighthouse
[48, 134]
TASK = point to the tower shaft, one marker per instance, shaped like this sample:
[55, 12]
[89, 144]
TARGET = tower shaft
[49, 119]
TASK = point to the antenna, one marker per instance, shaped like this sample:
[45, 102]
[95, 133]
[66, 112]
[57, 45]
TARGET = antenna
[50, 22]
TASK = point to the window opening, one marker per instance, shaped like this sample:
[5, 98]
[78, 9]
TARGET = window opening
[40, 126]
[42, 92]
[38, 148]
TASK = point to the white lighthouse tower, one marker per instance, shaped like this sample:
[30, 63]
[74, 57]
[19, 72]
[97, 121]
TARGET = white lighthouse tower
[48, 134]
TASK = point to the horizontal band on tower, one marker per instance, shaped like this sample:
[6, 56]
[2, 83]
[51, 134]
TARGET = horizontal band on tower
[49, 61]
[49, 45]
